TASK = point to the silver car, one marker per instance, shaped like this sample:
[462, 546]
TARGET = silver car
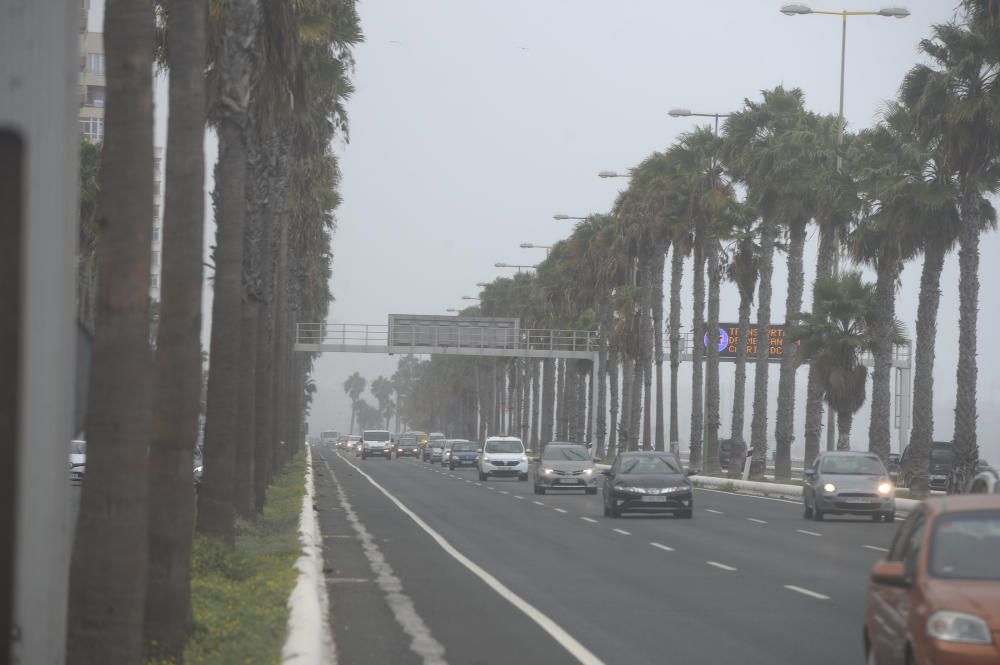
[565, 466]
[848, 483]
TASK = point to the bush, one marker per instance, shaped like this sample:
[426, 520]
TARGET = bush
[239, 597]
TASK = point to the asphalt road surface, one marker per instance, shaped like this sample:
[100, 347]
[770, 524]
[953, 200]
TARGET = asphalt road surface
[425, 565]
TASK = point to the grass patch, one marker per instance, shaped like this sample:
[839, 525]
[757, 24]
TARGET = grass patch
[239, 597]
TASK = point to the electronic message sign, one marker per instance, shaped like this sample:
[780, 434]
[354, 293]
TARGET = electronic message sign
[729, 338]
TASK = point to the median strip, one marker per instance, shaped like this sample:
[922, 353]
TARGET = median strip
[806, 592]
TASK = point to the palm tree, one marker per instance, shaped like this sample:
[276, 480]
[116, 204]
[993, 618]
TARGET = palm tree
[382, 390]
[753, 153]
[742, 271]
[833, 337]
[954, 102]
[681, 245]
[108, 568]
[354, 385]
[177, 365]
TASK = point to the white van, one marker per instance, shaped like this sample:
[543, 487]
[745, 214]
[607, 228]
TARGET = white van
[503, 456]
[376, 443]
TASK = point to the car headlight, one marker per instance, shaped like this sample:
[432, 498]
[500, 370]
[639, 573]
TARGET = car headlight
[885, 488]
[548, 471]
[485, 457]
[958, 627]
[524, 458]
[829, 487]
[588, 472]
[632, 489]
[677, 488]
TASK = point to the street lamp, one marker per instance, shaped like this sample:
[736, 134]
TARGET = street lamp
[530, 245]
[797, 10]
[469, 298]
[482, 284]
[613, 174]
[513, 265]
[560, 217]
[687, 113]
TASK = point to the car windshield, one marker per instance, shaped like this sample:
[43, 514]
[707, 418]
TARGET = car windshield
[376, 436]
[649, 464]
[941, 455]
[407, 441]
[566, 454]
[510, 446]
[436, 437]
[464, 447]
[965, 546]
[78, 447]
[852, 465]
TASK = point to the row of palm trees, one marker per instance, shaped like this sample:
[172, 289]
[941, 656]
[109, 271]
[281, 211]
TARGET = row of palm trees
[270, 78]
[916, 185]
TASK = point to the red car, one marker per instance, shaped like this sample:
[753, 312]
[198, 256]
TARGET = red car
[935, 598]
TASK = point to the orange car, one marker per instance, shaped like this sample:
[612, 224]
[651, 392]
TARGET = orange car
[935, 598]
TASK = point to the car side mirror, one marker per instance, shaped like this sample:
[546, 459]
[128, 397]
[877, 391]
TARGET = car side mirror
[606, 472]
[809, 473]
[692, 472]
[890, 573]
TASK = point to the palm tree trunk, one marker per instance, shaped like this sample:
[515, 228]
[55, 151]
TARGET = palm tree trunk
[844, 421]
[612, 446]
[676, 276]
[712, 417]
[739, 389]
[535, 397]
[177, 366]
[562, 404]
[246, 504]
[784, 422]
[922, 434]
[814, 390]
[966, 450]
[658, 266]
[758, 421]
[548, 400]
[646, 346]
[606, 324]
[628, 369]
[885, 299]
[108, 569]
[697, 354]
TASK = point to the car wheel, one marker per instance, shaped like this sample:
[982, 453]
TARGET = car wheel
[591, 491]
[523, 477]
[817, 514]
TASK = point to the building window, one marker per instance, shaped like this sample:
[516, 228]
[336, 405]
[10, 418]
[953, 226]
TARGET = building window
[92, 129]
[95, 96]
[156, 259]
[156, 211]
[95, 63]
[156, 233]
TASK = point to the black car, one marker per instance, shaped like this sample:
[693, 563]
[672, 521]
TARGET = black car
[647, 482]
[726, 452]
[463, 453]
[407, 445]
[939, 465]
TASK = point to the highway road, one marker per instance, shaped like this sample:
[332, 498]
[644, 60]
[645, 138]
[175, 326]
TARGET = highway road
[550, 580]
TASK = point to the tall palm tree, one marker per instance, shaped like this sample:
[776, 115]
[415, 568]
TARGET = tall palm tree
[108, 568]
[742, 271]
[954, 101]
[833, 337]
[354, 385]
[177, 365]
[753, 152]
[382, 390]
[681, 245]
[236, 72]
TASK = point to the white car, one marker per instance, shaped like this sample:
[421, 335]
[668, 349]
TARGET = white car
[77, 460]
[503, 456]
[376, 443]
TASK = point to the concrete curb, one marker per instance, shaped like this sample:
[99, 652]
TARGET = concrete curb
[309, 641]
[771, 490]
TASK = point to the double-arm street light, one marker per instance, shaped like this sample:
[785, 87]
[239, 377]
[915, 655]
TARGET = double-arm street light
[514, 265]
[560, 217]
[801, 10]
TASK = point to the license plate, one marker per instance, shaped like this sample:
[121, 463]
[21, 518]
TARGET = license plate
[569, 481]
[857, 499]
[654, 499]
[939, 477]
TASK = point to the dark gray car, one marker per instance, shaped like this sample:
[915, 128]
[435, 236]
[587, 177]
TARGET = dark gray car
[565, 466]
[848, 483]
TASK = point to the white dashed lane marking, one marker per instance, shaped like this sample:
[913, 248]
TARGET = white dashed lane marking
[587, 519]
[721, 566]
[806, 592]
[714, 512]
[876, 548]
[754, 519]
[665, 548]
[559, 510]
[622, 532]
[808, 533]
[538, 503]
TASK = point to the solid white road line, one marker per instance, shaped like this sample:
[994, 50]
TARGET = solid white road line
[665, 548]
[430, 651]
[622, 532]
[538, 503]
[563, 638]
[714, 512]
[587, 519]
[754, 519]
[559, 510]
[806, 592]
[876, 548]
[721, 566]
[808, 533]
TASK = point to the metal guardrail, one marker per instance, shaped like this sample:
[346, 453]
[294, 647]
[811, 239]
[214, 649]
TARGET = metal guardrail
[446, 336]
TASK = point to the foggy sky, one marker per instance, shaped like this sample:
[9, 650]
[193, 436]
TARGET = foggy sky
[474, 122]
